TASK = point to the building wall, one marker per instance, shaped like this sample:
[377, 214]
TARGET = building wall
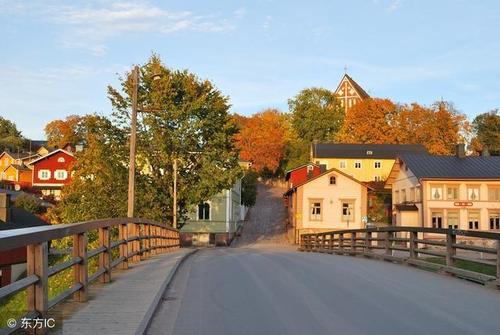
[331, 197]
[5, 161]
[407, 181]
[366, 173]
[52, 164]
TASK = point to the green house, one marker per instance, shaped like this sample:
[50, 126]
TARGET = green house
[215, 221]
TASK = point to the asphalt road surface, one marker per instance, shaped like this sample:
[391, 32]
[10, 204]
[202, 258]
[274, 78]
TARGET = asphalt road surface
[264, 288]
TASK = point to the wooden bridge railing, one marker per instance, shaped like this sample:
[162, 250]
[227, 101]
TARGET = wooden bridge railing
[414, 245]
[138, 239]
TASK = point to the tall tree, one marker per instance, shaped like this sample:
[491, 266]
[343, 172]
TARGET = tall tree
[60, 132]
[487, 130]
[187, 122]
[10, 138]
[262, 140]
[316, 114]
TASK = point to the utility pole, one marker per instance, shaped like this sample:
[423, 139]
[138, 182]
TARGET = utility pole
[133, 139]
[175, 194]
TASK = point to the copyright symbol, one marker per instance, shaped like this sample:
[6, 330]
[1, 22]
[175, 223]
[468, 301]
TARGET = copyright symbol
[11, 323]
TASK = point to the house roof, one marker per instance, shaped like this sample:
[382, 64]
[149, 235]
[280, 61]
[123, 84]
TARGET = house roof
[287, 173]
[50, 154]
[406, 207]
[323, 174]
[18, 167]
[453, 167]
[18, 155]
[345, 150]
[22, 219]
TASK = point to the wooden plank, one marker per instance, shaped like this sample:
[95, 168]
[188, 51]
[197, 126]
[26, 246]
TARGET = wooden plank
[105, 257]
[63, 266]
[17, 286]
[80, 270]
[37, 294]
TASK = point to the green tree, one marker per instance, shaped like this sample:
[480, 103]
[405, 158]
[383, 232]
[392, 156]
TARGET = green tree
[249, 188]
[10, 138]
[29, 203]
[487, 129]
[316, 114]
[188, 122]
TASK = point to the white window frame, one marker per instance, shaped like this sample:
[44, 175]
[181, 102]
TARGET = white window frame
[61, 160]
[56, 174]
[356, 163]
[41, 172]
[471, 190]
[351, 209]
[313, 215]
[343, 164]
[435, 188]
[209, 203]
[377, 165]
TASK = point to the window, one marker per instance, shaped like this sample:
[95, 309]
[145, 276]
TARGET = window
[44, 174]
[453, 219]
[451, 193]
[396, 197]
[61, 160]
[377, 165]
[310, 168]
[473, 193]
[347, 210]
[412, 194]
[357, 164]
[494, 194]
[369, 152]
[473, 220]
[343, 164]
[437, 220]
[315, 210]
[495, 220]
[417, 193]
[436, 193]
[377, 178]
[403, 195]
[333, 180]
[61, 174]
[204, 211]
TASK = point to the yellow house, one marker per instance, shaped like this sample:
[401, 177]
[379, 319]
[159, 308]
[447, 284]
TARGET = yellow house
[364, 162]
[459, 192]
[329, 201]
[8, 158]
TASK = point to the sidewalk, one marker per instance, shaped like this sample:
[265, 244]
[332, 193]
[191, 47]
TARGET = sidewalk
[125, 305]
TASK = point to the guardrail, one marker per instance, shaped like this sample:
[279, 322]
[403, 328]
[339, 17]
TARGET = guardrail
[415, 246]
[138, 239]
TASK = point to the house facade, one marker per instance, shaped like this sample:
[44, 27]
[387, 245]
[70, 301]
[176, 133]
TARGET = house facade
[215, 221]
[456, 192]
[52, 172]
[349, 92]
[332, 200]
[364, 162]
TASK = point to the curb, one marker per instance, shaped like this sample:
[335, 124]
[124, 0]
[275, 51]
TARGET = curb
[146, 320]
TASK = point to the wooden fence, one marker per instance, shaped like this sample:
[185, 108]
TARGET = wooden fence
[137, 239]
[444, 250]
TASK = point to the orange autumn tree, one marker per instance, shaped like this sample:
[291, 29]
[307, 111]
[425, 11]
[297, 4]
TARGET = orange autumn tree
[262, 139]
[438, 127]
[61, 132]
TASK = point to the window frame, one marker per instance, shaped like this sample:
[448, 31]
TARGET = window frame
[352, 214]
[343, 164]
[204, 204]
[454, 211]
[495, 189]
[334, 179]
[477, 225]
[495, 215]
[58, 171]
[315, 217]
[41, 172]
[360, 164]
[452, 187]
[439, 214]
[379, 163]
[433, 188]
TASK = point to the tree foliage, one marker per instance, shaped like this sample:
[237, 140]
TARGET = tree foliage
[316, 114]
[487, 131]
[249, 188]
[60, 132]
[438, 127]
[10, 138]
[29, 203]
[262, 139]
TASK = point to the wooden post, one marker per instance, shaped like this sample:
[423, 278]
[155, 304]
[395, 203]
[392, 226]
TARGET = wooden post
[105, 256]
[123, 235]
[450, 249]
[413, 244]
[147, 240]
[353, 242]
[80, 269]
[341, 242]
[368, 242]
[37, 294]
[132, 247]
[388, 250]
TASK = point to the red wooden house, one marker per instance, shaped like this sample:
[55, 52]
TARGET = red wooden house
[52, 171]
[302, 173]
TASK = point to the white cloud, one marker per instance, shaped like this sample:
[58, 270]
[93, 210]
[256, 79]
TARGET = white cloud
[267, 22]
[394, 5]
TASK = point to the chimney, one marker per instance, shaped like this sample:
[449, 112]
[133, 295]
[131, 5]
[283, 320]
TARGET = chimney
[5, 210]
[460, 150]
[485, 152]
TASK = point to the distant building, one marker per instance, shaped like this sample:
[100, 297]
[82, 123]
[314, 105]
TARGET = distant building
[302, 173]
[329, 201]
[52, 171]
[350, 92]
[460, 192]
[364, 162]
[13, 262]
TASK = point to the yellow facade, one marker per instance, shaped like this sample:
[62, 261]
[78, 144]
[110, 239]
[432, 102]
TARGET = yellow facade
[363, 169]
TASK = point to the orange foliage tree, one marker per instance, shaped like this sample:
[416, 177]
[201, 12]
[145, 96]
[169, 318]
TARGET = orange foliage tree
[438, 127]
[262, 139]
[61, 132]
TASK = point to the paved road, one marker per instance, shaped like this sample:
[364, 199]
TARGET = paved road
[262, 287]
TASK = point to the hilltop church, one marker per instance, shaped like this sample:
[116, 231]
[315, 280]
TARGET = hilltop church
[349, 92]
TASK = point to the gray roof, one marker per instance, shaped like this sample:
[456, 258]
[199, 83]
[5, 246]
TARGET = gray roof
[453, 167]
[22, 219]
[343, 150]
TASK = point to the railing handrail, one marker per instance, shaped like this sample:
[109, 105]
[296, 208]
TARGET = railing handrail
[15, 238]
[458, 232]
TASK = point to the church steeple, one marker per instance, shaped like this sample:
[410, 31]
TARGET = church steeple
[349, 91]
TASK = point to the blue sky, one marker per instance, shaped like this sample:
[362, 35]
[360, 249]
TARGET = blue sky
[57, 57]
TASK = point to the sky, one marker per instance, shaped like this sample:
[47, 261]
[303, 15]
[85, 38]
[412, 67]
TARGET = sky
[57, 57]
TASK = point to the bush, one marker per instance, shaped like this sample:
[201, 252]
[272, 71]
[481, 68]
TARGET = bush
[29, 203]
[249, 188]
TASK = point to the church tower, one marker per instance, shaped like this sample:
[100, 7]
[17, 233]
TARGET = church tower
[349, 92]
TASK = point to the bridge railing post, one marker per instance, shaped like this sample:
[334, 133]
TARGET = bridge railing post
[80, 269]
[368, 242]
[123, 235]
[388, 250]
[37, 256]
[341, 242]
[413, 244]
[451, 251]
[105, 256]
[353, 242]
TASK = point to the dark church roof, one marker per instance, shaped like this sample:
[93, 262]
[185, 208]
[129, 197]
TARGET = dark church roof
[453, 167]
[362, 93]
[387, 151]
